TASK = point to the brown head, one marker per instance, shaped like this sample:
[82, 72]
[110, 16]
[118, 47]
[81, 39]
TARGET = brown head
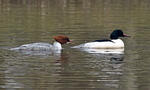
[61, 39]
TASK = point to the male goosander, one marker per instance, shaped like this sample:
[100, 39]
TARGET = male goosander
[113, 43]
[59, 40]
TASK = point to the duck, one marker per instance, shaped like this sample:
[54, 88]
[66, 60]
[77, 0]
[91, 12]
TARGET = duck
[57, 45]
[113, 43]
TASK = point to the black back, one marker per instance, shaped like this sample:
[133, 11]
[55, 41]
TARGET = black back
[105, 40]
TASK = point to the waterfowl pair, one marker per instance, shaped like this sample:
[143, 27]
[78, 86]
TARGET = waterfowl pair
[113, 43]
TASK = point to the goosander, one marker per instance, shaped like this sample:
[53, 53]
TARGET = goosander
[113, 43]
[59, 40]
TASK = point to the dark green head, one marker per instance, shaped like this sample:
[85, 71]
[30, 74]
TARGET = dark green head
[117, 33]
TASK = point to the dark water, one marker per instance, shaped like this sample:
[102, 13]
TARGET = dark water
[27, 21]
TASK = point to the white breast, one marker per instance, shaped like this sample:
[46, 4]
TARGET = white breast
[117, 43]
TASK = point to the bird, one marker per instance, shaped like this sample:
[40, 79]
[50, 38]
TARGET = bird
[57, 45]
[113, 43]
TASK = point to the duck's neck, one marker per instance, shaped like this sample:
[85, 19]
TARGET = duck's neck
[57, 45]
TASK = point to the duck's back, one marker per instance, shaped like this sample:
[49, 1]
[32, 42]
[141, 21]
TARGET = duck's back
[103, 44]
[34, 47]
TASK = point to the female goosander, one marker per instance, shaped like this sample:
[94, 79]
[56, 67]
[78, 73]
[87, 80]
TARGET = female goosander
[113, 43]
[59, 40]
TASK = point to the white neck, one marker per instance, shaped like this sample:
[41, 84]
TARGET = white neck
[57, 46]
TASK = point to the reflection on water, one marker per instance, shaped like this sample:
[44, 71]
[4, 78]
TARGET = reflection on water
[61, 71]
[103, 69]
[104, 51]
[39, 53]
[28, 21]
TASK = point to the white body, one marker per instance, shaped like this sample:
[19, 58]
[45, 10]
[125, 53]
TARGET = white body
[39, 47]
[113, 44]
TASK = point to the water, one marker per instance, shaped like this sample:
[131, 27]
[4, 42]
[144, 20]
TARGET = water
[24, 21]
